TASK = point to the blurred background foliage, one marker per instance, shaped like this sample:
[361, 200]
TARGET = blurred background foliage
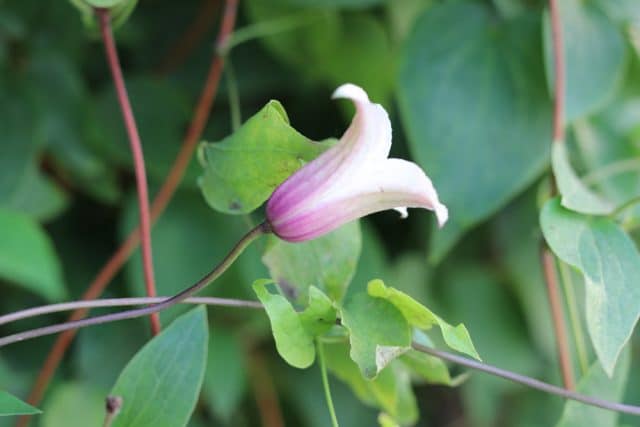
[467, 85]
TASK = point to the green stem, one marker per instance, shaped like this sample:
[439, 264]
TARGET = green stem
[253, 234]
[325, 384]
[626, 205]
[234, 97]
[264, 29]
[576, 325]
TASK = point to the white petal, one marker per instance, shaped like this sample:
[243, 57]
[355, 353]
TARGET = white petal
[402, 211]
[401, 176]
[369, 134]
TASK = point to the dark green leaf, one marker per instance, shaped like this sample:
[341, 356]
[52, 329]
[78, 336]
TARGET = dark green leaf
[61, 408]
[328, 263]
[596, 383]
[225, 381]
[28, 258]
[358, 45]
[475, 108]
[595, 54]
[161, 112]
[374, 343]
[161, 384]
[11, 405]
[610, 263]
[293, 342]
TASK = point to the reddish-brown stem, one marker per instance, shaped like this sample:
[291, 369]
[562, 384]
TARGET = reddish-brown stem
[564, 356]
[559, 72]
[138, 157]
[180, 50]
[265, 392]
[161, 200]
[548, 267]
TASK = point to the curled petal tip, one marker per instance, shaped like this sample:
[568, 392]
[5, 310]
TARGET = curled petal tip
[403, 212]
[351, 91]
[442, 214]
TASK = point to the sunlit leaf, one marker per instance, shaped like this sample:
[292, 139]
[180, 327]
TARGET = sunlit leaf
[422, 318]
[293, 342]
[374, 343]
[241, 171]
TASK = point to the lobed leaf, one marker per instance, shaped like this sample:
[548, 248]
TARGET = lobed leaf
[422, 318]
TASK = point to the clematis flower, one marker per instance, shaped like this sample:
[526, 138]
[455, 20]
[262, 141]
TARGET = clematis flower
[352, 179]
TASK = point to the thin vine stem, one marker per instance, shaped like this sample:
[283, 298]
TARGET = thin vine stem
[479, 366]
[325, 384]
[160, 202]
[128, 117]
[528, 381]
[576, 324]
[265, 29]
[121, 302]
[253, 234]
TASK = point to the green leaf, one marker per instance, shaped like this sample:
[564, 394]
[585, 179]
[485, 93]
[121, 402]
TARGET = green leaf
[161, 384]
[320, 315]
[422, 318]
[241, 171]
[357, 43]
[293, 342]
[610, 263]
[475, 107]
[104, 3]
[575, 195]
[93, 355]
[426, 367]
[23, 187]
[607, 145]
[36, 195]
[374, 343]
[328, 263]
[390, 391]
[61, 408]
[11, 405]
[595, 55]
[28, 258]
[334, 3]
[225, 381]
[596, 383]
